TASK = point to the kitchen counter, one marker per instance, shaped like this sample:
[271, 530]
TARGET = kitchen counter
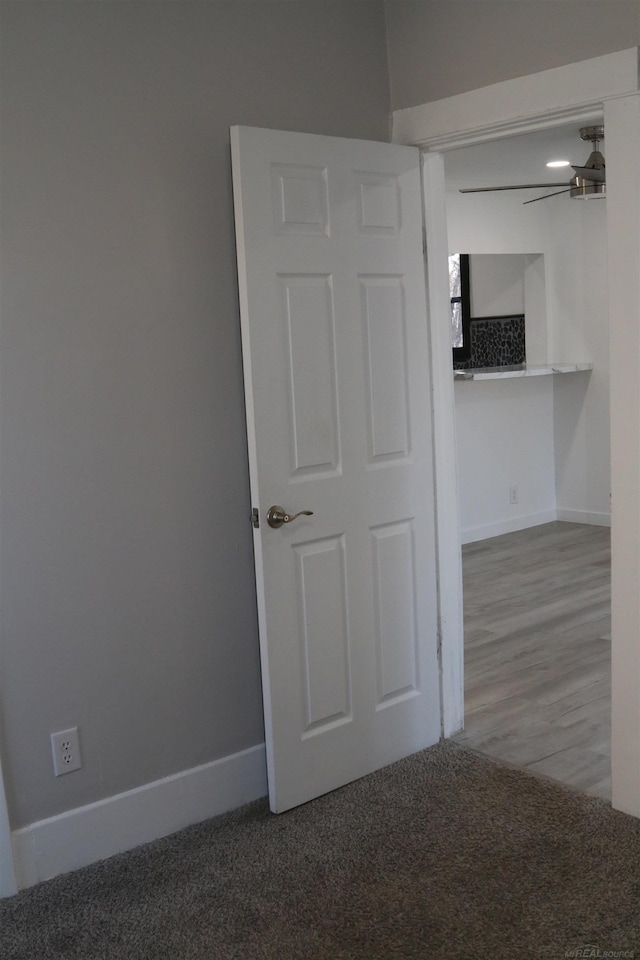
[521, 370]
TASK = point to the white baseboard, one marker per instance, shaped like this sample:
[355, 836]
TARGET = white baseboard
[488, 530]
[99, 830]
[596, 519]
[484, 532]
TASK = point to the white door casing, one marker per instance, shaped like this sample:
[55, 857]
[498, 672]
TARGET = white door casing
[336, 362]
[448, 536]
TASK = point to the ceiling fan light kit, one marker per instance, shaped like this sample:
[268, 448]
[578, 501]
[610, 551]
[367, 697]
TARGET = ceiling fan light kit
[589, 180]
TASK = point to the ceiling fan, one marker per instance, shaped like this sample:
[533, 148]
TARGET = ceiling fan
[588, 181]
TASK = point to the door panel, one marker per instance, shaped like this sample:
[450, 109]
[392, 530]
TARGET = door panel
[385, 343]
[307, 304]
[395, 608]
[335, 349]
[322, 593]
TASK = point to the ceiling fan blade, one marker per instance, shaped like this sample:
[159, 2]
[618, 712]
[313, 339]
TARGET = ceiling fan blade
[515, 186]
[596, 174]
[557, 194]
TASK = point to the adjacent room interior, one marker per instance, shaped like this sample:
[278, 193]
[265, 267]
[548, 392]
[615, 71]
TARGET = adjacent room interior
[533, 457]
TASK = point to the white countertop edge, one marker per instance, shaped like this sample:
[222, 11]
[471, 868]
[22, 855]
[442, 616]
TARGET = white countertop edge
[528, 370]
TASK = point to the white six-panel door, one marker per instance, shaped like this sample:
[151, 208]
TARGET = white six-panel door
[336, 366]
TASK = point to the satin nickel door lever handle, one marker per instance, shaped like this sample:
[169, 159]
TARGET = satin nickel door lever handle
[277, 515]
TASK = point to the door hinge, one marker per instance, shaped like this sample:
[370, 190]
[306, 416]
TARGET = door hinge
[255, 517]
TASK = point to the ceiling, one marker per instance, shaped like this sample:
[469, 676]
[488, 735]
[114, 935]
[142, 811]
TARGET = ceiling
[519, 159]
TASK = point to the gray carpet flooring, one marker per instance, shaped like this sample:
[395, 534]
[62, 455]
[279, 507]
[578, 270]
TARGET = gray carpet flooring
[444, 855]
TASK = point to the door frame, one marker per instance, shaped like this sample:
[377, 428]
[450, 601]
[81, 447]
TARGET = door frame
[579, 92]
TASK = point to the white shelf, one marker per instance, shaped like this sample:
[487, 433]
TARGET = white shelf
[522, 370]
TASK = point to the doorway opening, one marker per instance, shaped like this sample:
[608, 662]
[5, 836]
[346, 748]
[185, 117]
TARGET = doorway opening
[533, 468]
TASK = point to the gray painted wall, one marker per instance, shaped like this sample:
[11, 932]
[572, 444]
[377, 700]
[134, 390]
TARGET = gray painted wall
[438, 48]
[128, 602]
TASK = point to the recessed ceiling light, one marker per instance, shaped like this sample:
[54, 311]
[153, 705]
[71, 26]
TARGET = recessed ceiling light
[559, 163]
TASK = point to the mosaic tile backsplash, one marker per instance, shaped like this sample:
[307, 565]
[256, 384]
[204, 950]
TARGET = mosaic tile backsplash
[495, 342]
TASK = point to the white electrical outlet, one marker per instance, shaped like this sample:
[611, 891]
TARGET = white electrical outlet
[65, 747]
[513, 494]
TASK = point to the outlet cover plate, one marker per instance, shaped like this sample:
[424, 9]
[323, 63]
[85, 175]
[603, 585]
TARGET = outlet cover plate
[65, 747]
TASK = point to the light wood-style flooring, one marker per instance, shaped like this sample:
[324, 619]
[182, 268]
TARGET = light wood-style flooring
[537, 609]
